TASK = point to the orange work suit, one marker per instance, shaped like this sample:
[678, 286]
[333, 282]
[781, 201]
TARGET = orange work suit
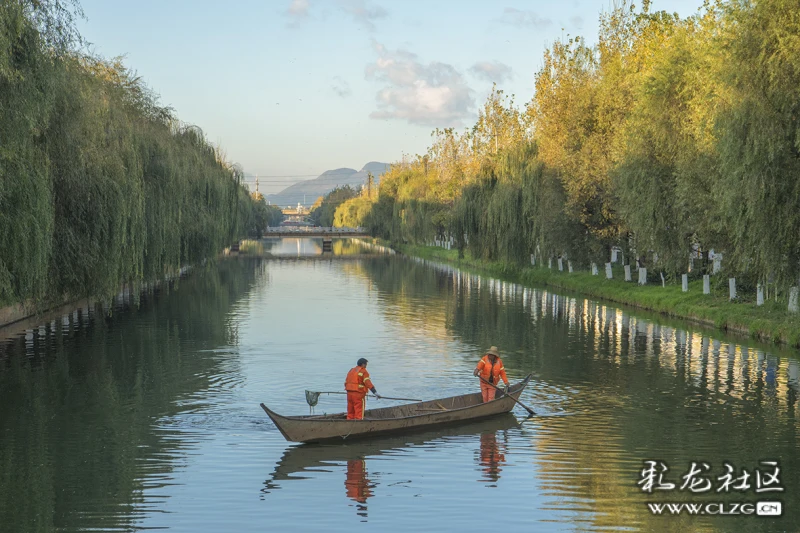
[357, 384]
[492, 374]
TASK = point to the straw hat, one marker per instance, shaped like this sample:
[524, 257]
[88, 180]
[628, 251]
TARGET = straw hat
[493, 351]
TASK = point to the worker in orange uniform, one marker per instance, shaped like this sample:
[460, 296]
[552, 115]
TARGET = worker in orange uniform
[357, 384]
[490, 369]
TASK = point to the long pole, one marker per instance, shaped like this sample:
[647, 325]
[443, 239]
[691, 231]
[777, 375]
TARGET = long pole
[519, 402]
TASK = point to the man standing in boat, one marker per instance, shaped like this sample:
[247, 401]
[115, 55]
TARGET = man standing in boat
[490, 370]
[357, 384]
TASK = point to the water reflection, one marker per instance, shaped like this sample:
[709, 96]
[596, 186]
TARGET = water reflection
[81, 394]
[149, 418]
[638, 386]
[711, 360]
[311, 247]
[357, 485]
[492, 457]
[306, 461]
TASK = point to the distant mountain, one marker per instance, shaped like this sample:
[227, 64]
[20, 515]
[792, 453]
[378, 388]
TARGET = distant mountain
[307, 192]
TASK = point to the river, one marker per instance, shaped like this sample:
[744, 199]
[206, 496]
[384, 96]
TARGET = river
[146, 415]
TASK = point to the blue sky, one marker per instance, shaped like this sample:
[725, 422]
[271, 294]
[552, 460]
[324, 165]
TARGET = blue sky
[291, 88]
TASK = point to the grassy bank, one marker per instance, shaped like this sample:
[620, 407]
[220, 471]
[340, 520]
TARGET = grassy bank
[769, 322]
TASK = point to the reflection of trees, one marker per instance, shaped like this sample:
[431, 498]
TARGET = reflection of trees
[80, 397]
[637, 389]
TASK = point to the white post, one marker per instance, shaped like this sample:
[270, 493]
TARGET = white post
[594, 269]
[793, 304]
[663, 283]
[706, 284]
[550, 262]
[533, 260]
[732, 287]
[560, 265]
[759, 295]
[685, 282]
[608, 271]
[628, 273]
[642, 276]
[569, 266]
[613, 255]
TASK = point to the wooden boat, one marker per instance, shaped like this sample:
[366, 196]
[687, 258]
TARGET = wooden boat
[397, 419]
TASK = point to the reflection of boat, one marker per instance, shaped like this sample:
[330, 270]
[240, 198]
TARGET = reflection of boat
[397, 419]
[324, 457]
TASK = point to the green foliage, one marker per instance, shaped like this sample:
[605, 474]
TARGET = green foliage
[263, 216]
[759, 139]
[324, 213]
[352, 213]
[667, 135]
[99, 185]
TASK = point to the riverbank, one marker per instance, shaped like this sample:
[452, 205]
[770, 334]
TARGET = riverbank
[20, 317]
[770, 322]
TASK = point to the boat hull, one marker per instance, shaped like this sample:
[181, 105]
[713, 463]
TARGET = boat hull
[395, 420]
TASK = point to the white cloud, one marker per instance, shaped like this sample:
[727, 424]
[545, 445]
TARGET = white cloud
[362, 13]
[492, 71]
[435, 94]
[524, 19]
[341, 87]
[297, 12]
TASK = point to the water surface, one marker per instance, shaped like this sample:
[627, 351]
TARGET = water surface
[146, 416]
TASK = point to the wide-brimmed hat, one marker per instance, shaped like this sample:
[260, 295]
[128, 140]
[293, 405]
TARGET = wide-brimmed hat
[493, 351]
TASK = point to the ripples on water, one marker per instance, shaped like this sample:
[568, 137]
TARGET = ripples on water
[149, 418]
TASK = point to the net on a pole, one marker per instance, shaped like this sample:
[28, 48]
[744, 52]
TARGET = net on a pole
[312, 397]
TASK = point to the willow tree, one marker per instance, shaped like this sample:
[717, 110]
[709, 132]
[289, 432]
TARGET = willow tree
[584, 95]
[759, 138]
[324, 214]
[500, 125]
[99, 185]
[33, 36]
[664, 177]
[571, 137]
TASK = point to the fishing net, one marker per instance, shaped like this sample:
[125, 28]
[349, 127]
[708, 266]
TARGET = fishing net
[312, 397]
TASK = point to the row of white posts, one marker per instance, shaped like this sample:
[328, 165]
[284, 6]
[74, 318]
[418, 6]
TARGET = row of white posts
[794, 292]
[559, 262]
[447, 242]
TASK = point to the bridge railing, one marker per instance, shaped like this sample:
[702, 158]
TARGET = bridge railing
[312, 230]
